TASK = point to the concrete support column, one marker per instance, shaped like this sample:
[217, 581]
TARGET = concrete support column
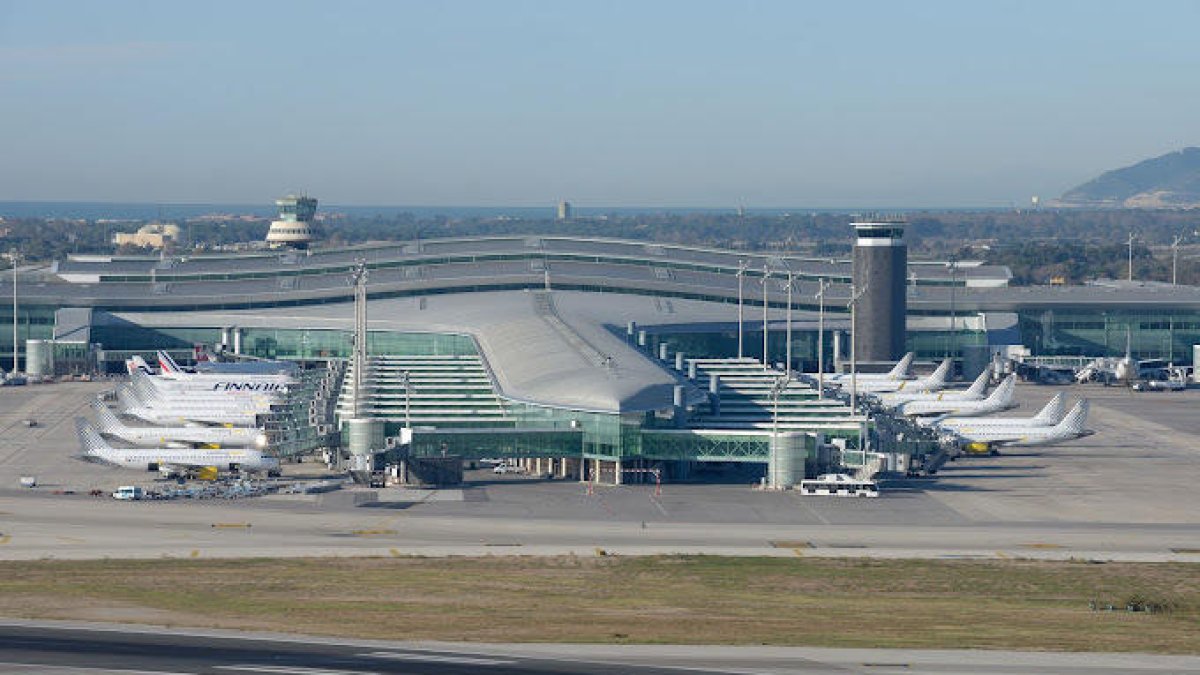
[641, 338]
[562, 467]
[662, 351]
[537, 466]
[237, 340]
[617, 472]
[691, 370]
[837, 351]
[679, 361]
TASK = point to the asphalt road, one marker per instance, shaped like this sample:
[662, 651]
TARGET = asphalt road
[53, 648]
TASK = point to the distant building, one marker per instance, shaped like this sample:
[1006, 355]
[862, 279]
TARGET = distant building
[564, 210]
[151, 235]
[294, 227]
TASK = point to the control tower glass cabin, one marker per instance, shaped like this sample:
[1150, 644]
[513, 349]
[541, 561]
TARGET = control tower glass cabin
[293, 229]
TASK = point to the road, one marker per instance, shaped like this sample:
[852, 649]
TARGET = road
[49, 649]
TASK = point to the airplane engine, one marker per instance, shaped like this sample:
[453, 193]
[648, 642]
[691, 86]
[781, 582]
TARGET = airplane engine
[979, 448]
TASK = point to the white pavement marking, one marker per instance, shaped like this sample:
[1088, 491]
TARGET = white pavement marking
[296, 670]
[8, 666]
[437, 658]
[658, 505]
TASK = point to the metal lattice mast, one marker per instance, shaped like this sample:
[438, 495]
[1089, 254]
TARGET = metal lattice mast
[358, 276]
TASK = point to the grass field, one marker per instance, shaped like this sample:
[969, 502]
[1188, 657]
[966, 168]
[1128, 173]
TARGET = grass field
[668, 599]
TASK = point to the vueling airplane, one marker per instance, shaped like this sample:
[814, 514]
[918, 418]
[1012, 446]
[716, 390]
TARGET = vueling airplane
[170, 461]
[973, 393]
[897, 373]
[983, 436]
[1001, 398]
[935, 382]
[109, 424]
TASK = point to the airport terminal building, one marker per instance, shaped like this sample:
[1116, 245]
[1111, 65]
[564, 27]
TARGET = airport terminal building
[628, 354]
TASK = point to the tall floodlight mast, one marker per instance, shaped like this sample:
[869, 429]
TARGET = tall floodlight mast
[358, 275]
[741, 274]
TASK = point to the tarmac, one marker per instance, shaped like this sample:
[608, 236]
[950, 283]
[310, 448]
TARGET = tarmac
[1128, 492]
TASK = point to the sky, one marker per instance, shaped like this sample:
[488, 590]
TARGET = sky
[604, 103]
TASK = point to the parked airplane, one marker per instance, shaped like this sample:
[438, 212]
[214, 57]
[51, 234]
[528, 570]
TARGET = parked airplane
[231, 392]
[973, 393]
[170, 461]
[1052, 413]
[936, 381]
[1000, 399]
[183, 413]
[109, 424]
[984, 437]
[898, 372]
[170, 370]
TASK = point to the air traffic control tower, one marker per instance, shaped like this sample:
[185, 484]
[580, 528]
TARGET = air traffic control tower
[880, 269]
[294, 227]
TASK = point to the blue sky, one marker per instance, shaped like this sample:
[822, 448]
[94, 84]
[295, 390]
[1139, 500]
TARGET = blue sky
[767, 104]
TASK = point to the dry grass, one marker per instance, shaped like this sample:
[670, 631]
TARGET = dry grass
[667, 599]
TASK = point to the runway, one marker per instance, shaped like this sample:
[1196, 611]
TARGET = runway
[52, 649]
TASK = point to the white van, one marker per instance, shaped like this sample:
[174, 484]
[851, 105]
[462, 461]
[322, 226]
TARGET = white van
[128, 493]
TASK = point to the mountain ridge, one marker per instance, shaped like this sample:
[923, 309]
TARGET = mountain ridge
[1167, 181]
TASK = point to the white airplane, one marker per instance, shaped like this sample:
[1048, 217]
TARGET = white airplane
[109, 424]
[170, 461]
[936, 381]
[898, 372]
[984, 437]
[1000, 399]
[973, 393]
[1052, 413]
[170, 370]
[183, 413]
[258, 394]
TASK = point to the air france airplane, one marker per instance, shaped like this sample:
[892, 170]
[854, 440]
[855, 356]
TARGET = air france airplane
[169, 461]
[170, 370]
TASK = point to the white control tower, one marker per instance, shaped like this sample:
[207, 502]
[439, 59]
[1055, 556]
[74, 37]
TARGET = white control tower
[294, 227]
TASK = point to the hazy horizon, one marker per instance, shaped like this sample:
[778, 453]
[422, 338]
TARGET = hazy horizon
[652, 105]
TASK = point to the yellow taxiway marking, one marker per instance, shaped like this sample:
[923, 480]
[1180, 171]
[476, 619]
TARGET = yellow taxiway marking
[5, 539]
[231, 526]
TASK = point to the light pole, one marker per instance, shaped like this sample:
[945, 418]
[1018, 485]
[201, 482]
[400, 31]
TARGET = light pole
[822, 287]
[952, 349]
[406, 380]
[787, 368]
[1130, 244]
[1175, 259]
[16, 344]
[765, 280]
[855, 295]
[741, 273]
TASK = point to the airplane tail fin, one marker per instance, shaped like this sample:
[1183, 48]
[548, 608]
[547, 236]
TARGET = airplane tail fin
[89, 439]
[106, 420]
[979, 386]
[127, 398]
[1052, 413]
[900, 370]
[166, 363]
[1075, 420]
[137, 363]
[1003, 394]
[937, 379]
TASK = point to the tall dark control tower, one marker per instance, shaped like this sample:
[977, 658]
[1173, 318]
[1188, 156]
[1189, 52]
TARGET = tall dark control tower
[880, 267]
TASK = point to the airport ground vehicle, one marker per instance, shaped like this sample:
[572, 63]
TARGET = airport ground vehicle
[128, 493]
[504, 468]
[839, 485]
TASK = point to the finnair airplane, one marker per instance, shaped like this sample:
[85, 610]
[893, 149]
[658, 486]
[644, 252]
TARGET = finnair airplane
[1050, 414]
[984, 437]
[109, 424]
[1001, 398]
[260, 395]
[936, 381]
[169, 461]
[973, 393]
[158, 412]
[898, 372]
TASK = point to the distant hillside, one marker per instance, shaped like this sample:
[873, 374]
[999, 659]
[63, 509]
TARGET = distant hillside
[1172, 180]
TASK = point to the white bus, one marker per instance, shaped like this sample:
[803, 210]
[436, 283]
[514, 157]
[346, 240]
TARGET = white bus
[839, 485]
